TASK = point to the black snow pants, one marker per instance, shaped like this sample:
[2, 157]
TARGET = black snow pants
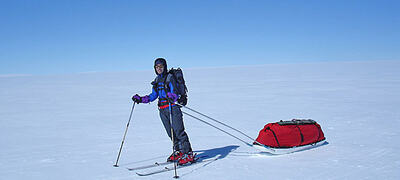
[181, 139]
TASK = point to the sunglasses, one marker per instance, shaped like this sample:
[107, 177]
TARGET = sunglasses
[159, 66]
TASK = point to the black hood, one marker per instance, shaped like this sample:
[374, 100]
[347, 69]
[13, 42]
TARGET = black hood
[163, 62]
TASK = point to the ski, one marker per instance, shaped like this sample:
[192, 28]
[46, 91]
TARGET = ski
[150, 166]
[170, 168]
[156, 164]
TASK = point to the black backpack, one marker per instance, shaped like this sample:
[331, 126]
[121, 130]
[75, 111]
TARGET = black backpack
[180, 85]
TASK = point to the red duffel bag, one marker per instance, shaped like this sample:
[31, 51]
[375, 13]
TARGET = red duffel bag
[287, 134]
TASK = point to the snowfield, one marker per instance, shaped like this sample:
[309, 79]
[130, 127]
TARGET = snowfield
[71, 126]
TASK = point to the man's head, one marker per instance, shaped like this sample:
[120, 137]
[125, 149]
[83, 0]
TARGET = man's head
[160, 66]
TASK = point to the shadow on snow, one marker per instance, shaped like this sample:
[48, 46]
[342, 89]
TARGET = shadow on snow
[221, 152]
[217, 153]
[211, 155]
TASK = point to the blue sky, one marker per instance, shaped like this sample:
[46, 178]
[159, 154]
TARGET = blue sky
[67, 36]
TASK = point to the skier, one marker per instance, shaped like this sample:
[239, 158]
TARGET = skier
[164, 89]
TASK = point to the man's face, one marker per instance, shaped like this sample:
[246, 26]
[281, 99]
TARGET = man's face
[159, 68]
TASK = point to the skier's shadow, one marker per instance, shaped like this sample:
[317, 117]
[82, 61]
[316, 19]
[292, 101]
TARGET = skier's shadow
[209, 156]
[218, 153]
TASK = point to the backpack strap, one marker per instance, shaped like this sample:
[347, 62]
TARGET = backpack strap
[169, 78]
[158, 80]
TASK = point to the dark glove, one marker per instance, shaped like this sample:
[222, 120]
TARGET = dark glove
[183, 100]
[137, 99]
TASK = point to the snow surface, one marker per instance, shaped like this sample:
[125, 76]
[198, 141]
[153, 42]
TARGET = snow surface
[71, 126]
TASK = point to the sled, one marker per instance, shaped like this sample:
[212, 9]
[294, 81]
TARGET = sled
[279, 151]
[289, 136]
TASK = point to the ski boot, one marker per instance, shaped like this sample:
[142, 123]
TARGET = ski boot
[186, 159]
[175, 156]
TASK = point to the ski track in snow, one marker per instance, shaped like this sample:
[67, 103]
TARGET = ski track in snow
[71, 126]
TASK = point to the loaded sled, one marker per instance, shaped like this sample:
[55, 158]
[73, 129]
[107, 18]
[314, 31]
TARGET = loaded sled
[289, 136]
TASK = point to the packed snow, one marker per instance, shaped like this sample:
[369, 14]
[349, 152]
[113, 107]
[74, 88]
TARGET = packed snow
[71, 126]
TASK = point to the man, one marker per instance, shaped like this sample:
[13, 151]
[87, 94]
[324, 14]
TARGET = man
[164, 88]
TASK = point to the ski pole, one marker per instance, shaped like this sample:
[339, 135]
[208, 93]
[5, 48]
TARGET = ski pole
[123, 139]
[172, 137]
